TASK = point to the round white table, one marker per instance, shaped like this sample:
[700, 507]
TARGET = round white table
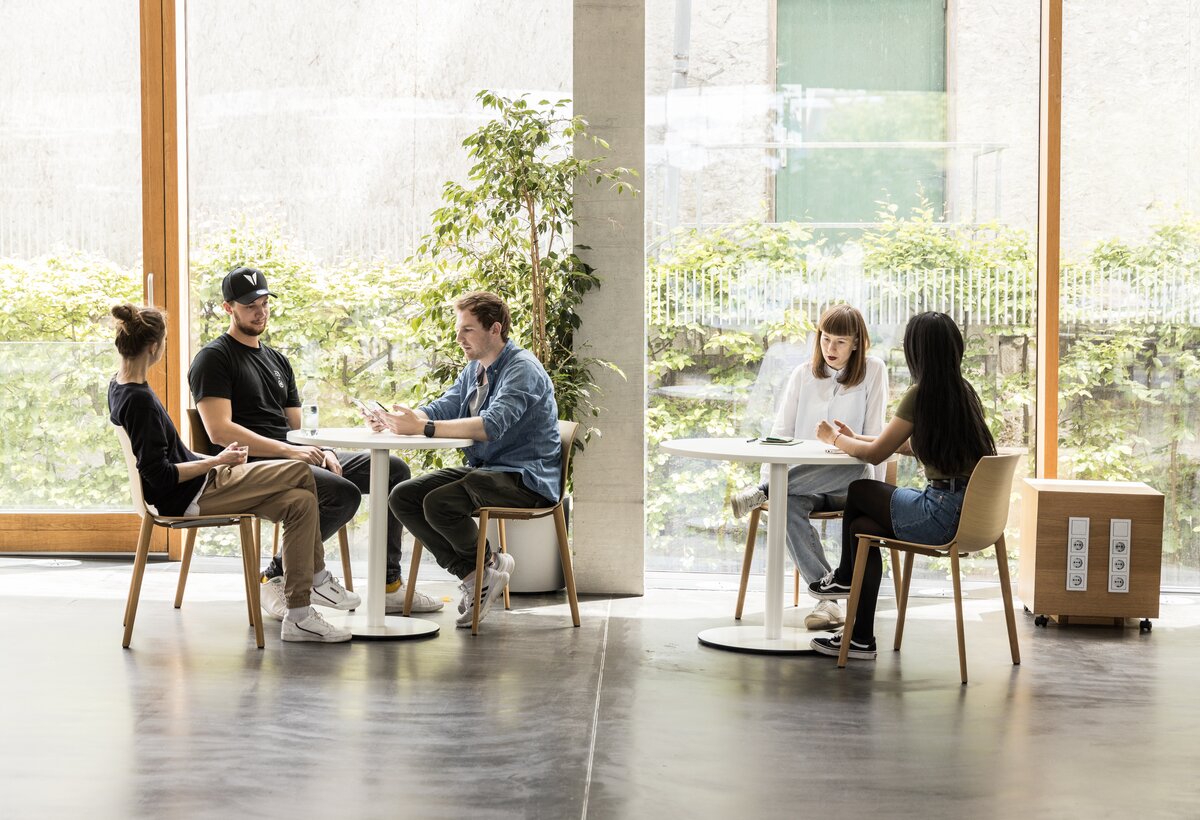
[376, 624]
[771, 638]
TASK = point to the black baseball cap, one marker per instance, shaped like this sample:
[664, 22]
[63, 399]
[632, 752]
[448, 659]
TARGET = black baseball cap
[244, 285]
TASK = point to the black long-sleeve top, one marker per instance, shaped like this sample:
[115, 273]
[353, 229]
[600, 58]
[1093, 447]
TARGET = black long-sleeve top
[157, 446]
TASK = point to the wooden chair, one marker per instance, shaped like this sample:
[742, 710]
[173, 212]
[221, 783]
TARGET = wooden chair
[890, 478]
[191, 523]
[567, 430]
[202, 444]
[981, 524]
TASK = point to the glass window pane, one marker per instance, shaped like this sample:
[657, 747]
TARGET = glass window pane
[900, 181]
[70, 245]
[1130, 322]
[322, 161]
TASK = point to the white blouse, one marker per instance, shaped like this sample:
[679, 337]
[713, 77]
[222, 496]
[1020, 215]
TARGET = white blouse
[808, 400]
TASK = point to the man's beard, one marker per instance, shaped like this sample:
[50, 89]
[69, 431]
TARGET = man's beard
[248, 330]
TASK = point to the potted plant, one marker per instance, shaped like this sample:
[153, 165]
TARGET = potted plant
[507, 229]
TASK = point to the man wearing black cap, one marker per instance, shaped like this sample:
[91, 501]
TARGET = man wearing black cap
[246, 392]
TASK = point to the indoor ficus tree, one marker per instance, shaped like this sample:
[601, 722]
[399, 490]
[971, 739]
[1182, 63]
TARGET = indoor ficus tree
[508, 230]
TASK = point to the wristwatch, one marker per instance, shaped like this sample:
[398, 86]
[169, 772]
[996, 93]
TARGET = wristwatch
[429, 429]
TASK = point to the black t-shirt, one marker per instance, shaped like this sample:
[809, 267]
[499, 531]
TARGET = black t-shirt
[156, 444]
[258, 382]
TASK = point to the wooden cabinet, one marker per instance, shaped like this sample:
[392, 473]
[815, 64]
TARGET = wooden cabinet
[1115, 555]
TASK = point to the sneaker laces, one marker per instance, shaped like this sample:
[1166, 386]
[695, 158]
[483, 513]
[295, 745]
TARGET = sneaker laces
[827, 579]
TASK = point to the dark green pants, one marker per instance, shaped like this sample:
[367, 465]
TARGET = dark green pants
[437, 507]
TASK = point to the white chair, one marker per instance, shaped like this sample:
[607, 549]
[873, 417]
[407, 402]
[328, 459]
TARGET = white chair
[245, 521]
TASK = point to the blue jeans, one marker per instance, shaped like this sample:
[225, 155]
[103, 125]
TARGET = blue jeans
[814, 488]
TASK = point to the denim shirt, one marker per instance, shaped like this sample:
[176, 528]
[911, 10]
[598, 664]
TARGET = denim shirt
[519, 414]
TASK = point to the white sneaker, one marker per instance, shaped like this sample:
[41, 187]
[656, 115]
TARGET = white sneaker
[746, 499]
[393, 602]
[272, 598]
[501, 561]
[494, 582]
[335, 596]
[826, 615]
[314, 628]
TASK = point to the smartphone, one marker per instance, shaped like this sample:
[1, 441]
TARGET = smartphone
[776, 440]
[367, 409]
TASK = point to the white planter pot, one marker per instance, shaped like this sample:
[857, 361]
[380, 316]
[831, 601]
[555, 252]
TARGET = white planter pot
[533, 544]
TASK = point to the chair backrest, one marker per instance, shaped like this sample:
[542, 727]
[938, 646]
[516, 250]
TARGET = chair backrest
[199, 440]
[135, 478]
[567, 430]
[985, 506]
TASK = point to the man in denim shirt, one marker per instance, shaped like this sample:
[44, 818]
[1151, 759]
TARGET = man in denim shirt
[503, 400]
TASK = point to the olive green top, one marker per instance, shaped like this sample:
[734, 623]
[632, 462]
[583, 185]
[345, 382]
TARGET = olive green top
[907, 410]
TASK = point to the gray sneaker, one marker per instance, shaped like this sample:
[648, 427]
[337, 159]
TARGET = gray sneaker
[746, 499]
[393, 601]
[272, 598]
[314, 628]
[494, 582]
[826, 615]
[501, 561]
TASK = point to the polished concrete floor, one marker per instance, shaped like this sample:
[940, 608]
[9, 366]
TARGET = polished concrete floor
[626, 717]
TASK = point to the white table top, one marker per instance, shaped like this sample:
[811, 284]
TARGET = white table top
[360, 438]
[807, 451]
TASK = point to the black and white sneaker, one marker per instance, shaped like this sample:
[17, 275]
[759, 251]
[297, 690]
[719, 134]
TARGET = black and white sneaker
[494, 582]
[833, 646]
[829, 588]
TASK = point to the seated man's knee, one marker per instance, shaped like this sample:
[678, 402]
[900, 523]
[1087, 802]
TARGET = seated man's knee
[448, 503]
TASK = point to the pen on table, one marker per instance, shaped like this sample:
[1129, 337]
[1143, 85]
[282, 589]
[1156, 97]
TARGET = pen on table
[755, 438]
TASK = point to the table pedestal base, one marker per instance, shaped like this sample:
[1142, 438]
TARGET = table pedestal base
[393, 628]
[791, 641]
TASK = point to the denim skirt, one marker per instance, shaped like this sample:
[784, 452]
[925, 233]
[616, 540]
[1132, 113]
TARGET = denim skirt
[928, 516]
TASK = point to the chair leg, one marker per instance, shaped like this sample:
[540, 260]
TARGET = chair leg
[860, 572]
[249, 574]
[503, 548]
[902, 599]
[250, 560]
[135, 582]
[344, 543]
[564, 554]
[189, 544]
[897, 576]
[749, 555]
[1006, 593]
[796, 586]
[275, 540]
[414, 564]
[958, 614]
[480, 551]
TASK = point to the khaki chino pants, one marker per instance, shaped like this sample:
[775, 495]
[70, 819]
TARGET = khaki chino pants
[277, 491]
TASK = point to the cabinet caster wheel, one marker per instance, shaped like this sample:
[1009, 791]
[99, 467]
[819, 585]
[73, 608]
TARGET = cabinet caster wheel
[1145, 625]
[1041, 620]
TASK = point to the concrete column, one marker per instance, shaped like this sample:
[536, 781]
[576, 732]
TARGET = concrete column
[609, 529]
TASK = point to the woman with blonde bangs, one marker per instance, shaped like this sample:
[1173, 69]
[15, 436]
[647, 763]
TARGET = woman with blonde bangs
[841, 382]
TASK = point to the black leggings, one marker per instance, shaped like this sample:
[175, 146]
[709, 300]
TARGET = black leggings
[868, 511]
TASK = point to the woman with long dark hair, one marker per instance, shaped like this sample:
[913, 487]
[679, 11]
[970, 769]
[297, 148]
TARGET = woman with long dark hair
[176, 481]
[940, 422]
[840, 382]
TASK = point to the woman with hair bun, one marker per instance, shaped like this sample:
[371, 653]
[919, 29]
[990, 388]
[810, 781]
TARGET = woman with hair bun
[841, 381]
[940, 422]
[176, 481]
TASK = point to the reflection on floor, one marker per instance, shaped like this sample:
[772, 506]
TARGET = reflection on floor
[626, 717]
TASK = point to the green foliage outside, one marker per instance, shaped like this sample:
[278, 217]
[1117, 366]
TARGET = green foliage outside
[1126, 407]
